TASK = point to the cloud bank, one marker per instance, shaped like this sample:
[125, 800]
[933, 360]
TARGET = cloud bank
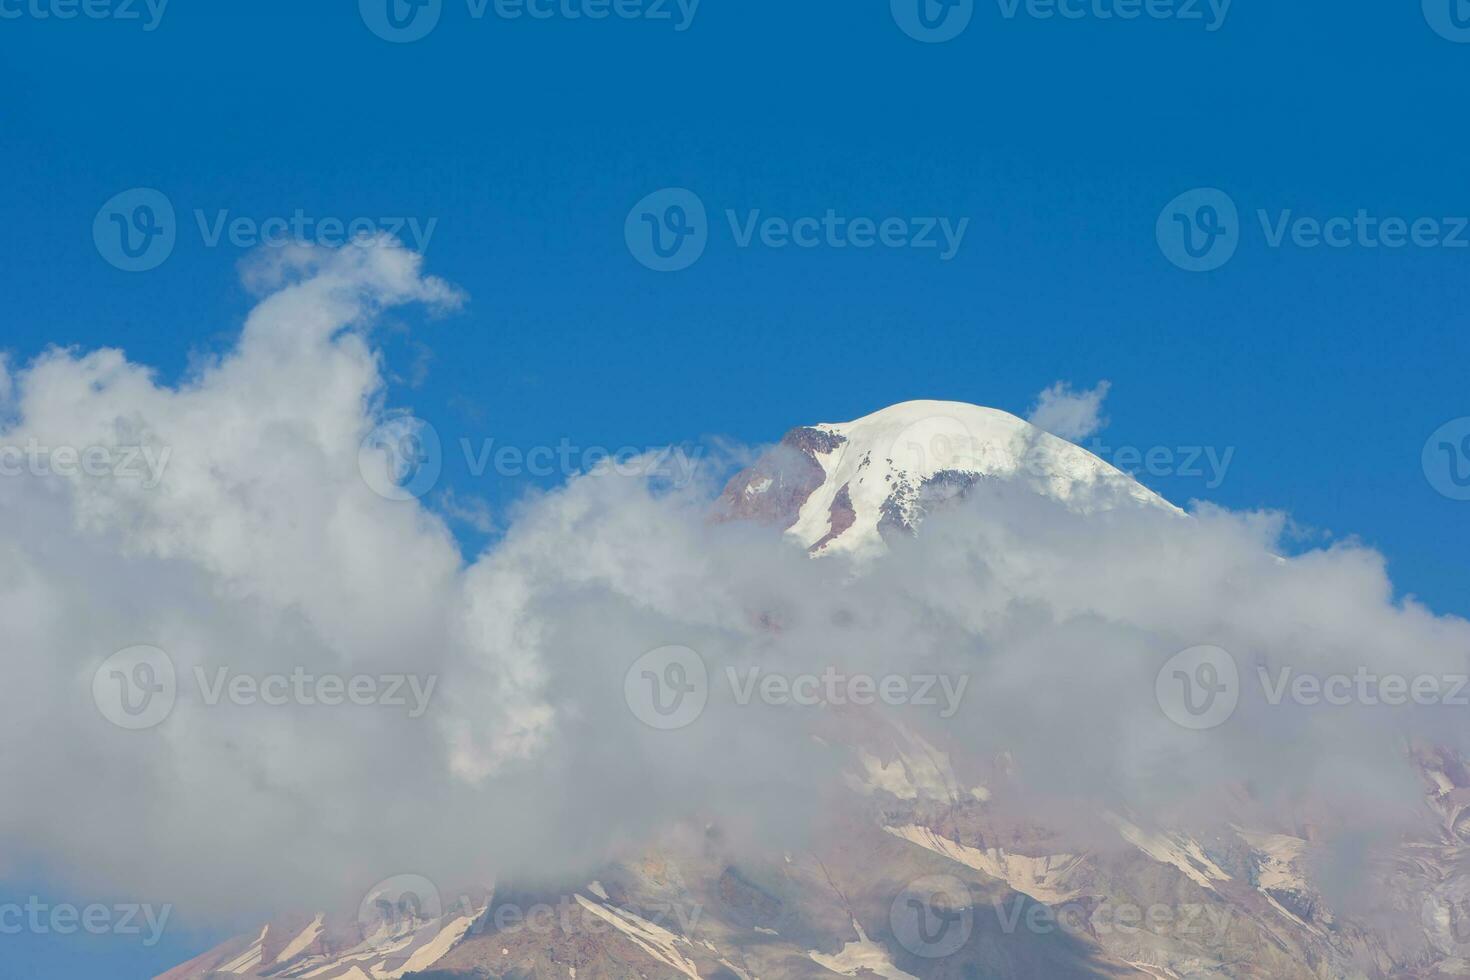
[261, 550]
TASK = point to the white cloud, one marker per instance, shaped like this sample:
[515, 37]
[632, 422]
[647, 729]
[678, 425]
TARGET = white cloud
[1070, 414]
[263, 550]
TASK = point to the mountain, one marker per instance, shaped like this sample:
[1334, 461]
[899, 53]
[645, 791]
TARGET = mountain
[846, 487]
[935, 863]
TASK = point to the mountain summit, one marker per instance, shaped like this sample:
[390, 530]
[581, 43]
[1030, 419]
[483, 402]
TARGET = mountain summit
[849, 486]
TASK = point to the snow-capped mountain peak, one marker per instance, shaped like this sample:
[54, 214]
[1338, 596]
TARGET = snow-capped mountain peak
[844, 486]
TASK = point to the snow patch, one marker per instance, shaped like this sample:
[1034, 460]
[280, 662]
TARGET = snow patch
[1175, 849]
[250, 959]
[653, 939]
[1042, 878]
[888, 457]
[858, 956]
[299, 945]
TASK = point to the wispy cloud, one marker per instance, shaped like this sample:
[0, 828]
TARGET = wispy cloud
[1068, 413]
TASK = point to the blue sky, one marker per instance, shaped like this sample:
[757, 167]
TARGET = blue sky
[525, 142]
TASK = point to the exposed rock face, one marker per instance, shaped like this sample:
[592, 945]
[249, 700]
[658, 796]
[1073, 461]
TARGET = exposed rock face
[840, 517]
[773, 490]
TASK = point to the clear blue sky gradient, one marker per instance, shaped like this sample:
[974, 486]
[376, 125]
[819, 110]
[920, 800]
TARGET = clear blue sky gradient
[529, 140]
